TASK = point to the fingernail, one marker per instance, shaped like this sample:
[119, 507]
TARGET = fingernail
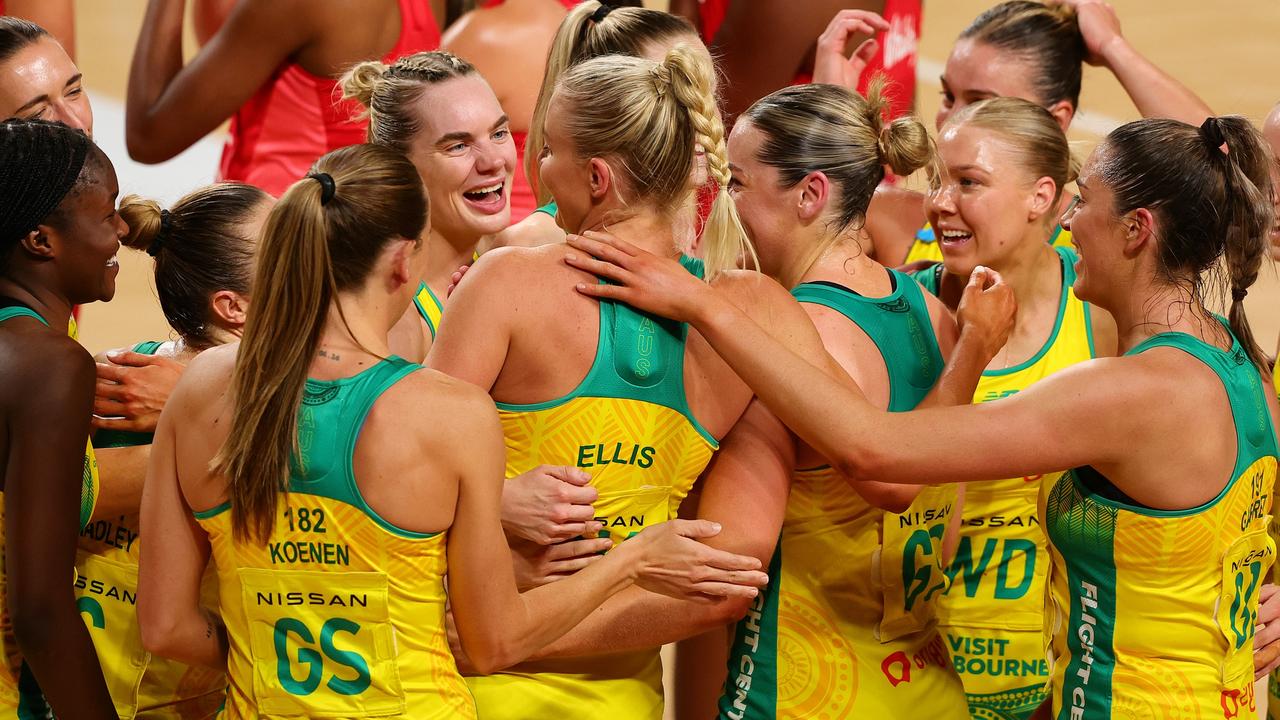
[580, 286]
[715, 526]
[570, 257]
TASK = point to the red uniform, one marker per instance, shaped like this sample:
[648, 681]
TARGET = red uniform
[295, 117]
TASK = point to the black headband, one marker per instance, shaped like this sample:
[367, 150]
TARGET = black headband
[601, 13]
[327, 187]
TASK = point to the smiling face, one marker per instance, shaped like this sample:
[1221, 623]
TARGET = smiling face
[976, 71]
[40, 81]
[85, 233]
[766, 208]
[1097, 236]
[982, 207]
[465, 155]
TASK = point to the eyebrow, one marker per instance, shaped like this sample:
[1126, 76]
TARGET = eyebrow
[457, 136]
[45, 98]
[967, 168]
[1080, 184]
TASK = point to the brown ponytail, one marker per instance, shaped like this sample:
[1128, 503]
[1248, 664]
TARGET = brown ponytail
[309, 252]
[1211, 204]
[200, 247]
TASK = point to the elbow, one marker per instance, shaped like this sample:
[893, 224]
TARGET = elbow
[731, 610]
[33, 627]
[157, 628]
[489, 655]
[861, 463]
[143, 143]
[884, 496]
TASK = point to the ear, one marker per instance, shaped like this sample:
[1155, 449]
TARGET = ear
[1139, 231]
[402, 256]
[230, 308]
[1062, 111]
[815, 191]
[601, 178]
[39, 242]
[1041, 201]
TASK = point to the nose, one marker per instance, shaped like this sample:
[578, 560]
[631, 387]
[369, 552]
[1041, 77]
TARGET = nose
[72, 116]
[1069, 214]
[493, 156]
[941, 200]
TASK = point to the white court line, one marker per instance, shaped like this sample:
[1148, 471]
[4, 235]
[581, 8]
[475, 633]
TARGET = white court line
[165, 182]
[928, 71]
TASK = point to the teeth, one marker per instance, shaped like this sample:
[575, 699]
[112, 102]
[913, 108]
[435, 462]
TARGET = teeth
[113, 262]
[955, 234]
[489, 189]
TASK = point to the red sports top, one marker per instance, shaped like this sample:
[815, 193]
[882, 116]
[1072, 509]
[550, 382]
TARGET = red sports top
[295, 117]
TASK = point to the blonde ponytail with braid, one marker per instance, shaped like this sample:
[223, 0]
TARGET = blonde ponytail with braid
[647, 119]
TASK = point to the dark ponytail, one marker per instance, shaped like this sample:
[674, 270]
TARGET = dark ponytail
[1212, 202]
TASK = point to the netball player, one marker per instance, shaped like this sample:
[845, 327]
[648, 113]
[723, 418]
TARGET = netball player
[336, 490]
[1003, 164]
[637, 403]
[1161, 203]
[1034, 51]
[61, 233]
[270, 68]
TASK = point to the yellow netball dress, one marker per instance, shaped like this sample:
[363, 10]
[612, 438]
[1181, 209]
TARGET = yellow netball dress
[925, 246]
[846, 627]
[1153, 611]
[339, 614]
[629, 425]
[142, 685]
[992, 614]
[20, 695]
[1273, 682]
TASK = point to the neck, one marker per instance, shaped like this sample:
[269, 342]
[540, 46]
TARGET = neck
[444, 256]
[358, 324]
[1152, 308]
[843, 258]
[54, 308]
[1033, 270]
[643, 228]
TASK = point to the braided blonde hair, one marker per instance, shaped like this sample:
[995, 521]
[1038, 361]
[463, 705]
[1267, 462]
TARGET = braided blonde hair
[646, 119]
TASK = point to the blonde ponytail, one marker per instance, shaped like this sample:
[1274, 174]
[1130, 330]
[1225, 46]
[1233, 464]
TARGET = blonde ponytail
[583, 35]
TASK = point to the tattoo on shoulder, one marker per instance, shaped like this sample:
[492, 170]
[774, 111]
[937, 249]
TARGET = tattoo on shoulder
[330, 355]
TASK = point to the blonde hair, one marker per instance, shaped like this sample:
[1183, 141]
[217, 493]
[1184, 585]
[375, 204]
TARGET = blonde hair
[309, 252]
[1040, 146]
[835, 131]
[646, 118]
[389, 92]
[622, 31]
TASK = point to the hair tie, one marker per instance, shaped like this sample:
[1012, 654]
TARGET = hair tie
[601, 13]
[1237, 294]
[1211, 132]
[158, 241]
[327, 187]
